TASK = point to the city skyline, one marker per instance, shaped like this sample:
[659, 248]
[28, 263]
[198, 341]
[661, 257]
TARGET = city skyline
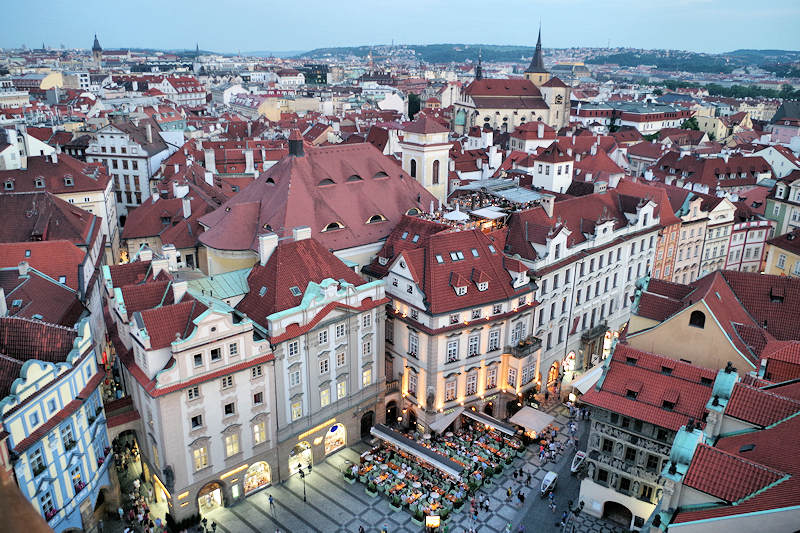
[618, 23]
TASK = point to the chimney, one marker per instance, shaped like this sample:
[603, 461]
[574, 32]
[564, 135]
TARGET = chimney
[177, 168]
[296, 143]
[149, 130]
[209, 178]
[547, 204]
[594, 149]
[211, 165]
[169, 251]
[267, 242]
[23, 268]
[3, 306]
[301, 233]
[248, 161]
[540, 130]
[54, 158]
[179, 290]
[187, 207]
[249, 129]
[145, 254]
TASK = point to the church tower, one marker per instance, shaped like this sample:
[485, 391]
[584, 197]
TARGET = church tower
[536, 72]
[97, 52]
[426, 155]
[479, 68]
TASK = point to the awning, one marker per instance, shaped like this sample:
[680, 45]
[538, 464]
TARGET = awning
[444, 421]
[441, 462]
[490, 421]
[531, 419]
[587, 380]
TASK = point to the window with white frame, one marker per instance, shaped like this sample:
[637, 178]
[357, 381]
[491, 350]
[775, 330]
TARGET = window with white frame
[46, 502]
[233, 349]
[366, 377]
[258, 398]
[518, 332]
[216, 354]
[339, 331]
[476, 313]
[455, 318]
[323, 365]
[494, 340]
[450, 390]
[339, 359]
[197, 421]
[472, 383]
[294, 348]
[366, 348]
[294, 378]
[512, 377]
[497, 309]
[452, 351]
[414, 314]
[259, 432]
[413, 343]
[523, 300]
[341, 390]
[229, 409]
[389, 331]
[297, 410]
[227, 382]
[366, 320]
[473, 345]
[193, 393]
[256, 372]
[324, 397]
[198, 360]
[483, 285]
[200, 455]
[322, 336]
[412, 384]
[231, 444]
[36, 460]
[781, 259]
[491, 378]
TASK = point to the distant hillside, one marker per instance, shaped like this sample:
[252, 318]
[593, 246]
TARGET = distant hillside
[432, 53]
[777, 61]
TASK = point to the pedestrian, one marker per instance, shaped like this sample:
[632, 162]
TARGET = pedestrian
[528, 480]
[563, 518]
[271, 505]
[508, 494]
[553, 507]
[515, 474]
[120, 512]
[361, 529]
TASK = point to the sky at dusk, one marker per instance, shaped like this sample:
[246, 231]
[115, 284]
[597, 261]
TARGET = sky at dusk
[248, 25]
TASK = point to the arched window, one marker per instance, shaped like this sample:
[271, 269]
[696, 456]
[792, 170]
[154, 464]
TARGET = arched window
[376, 218]
[413, 211]
[413, 168]
[435, 172]
[326, 181]
[355, 177]
[697, 319]
[333, 226]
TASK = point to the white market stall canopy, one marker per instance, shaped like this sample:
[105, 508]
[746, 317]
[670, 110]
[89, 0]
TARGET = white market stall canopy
[490, 421]
[404, 443]
[444, 421]
[587, 381]
[531, 419]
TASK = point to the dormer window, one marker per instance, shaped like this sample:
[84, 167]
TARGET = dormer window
[39, 183]
[457, 256]
[461, 291]
[68, 181]
[374, 219]
[333, 226]
[483, 285]
[382, 261]
[9, 185]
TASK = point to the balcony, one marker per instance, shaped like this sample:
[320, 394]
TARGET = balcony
[597, 331]
[525, 347]
[392, 386]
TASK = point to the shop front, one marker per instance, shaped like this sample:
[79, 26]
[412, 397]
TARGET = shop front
[301, 456]
[335, 438]
[210, 497]
[257, 477]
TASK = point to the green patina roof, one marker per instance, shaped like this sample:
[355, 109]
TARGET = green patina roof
[221, 286]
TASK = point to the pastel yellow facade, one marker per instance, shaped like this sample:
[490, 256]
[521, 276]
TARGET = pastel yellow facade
[781, 262]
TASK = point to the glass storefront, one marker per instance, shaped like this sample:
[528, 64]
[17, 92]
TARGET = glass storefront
[257, 477]
[210, 497]
[335, 438]
[300, 456]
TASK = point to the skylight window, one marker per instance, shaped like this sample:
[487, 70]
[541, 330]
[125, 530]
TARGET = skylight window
[62, 279]
[475, 252]
[458, 255]
[404, 235]
[295, 290]
[415, 239]
[491, 249]
[262, 291]
[439, 259]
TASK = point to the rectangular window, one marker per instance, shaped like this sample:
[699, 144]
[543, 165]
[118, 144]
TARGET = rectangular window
[523, 300]
[414, 314]
[494, 340]
[229, 409]
[366, 320]
[294, 378]
[200, 458]
[324, 397]
[413, 343]
[366, 348]
[46, 502]
[233, 349]
[455, 318]
[198, 360]
[476, 313]
[216, 354]
[258, 398]
[578, 297]
[259, 433]
[256, 372]
[231, 445]
[472, 345]
[339, 331]
[193, 393]
[339, 359]
[366, 377]
[323, 366]
[322, 337]
[227, 382]
[294, 348]
[512, 377]
[412, 384]
[491, 378]
[341, 390]
[472, 384]
[450, 390]
[452, 351]
[297, 410]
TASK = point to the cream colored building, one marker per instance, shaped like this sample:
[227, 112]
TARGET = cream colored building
[690, 243]
[425, 150]
[718, 234]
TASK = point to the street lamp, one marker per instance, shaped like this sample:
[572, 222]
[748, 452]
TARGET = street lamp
[303, 477]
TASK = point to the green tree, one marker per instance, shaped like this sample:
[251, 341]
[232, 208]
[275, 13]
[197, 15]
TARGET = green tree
[690, 124]
[658, 92]
[413, 105]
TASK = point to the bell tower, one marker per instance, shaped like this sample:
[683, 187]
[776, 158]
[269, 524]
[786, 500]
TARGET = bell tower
[536, 72]
[97, 52]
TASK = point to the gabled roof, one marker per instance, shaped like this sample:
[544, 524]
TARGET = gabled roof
[502, 88]
[166, 323]
[41, 216]
[686, 388]
[424, 125]
[759, 407]
[788, 241]
[348, 184]
[146, 296]
[53, 258]
[37, 295]
[410, 233]
[164, 218]
[292, 264]
[129, 273]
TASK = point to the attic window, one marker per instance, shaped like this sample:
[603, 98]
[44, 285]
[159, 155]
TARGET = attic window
[355, 177]
[327, 181]
[483, 285]
[404, 235]
[62, 279]
[374, 219]
[631, 394]
[461, 291]
[666, 370]
[16, 303]
[631, 360]
[491, 249]
[333, 226]
[457, 256]
[165, 220]
[747, 448]
[475, 252]
[9, 186]
[706, 381]
[413, 211]
[37, 316]
[668, 405]
[382, 260]
[27, 253]
[776, 295]
[262, 291]
[39, 183]
[415, 238]
[439, 259]
[295, 290]
[380, 174]
[68, 181]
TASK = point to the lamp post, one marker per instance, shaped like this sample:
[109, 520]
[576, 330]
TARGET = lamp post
[303, 477]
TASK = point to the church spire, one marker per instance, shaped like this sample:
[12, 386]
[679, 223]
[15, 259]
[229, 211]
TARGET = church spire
[96, 45]
[537, 61]
[479, 68]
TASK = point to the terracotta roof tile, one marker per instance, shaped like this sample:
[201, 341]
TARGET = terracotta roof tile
[759, 407]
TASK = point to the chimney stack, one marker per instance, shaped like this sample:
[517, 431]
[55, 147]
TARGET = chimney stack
[179, 290]
[267, 242]
[3, 306]
[540, 130]
[54, 158]
[547, 204]
[23, 268]
[211, 165]
[296, 143]
[187, 207]
[301, 233]
[169, 251]
[149, 130]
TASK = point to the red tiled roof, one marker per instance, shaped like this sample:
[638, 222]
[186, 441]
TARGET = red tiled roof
[41, 216]
[53, 258]
[727, 476]
[645, 149]
[644, 373]
[759, 407]
[788, 241]
[146, 296]
[348, 184]
[129, 273]
[502, 87]
[38, 296]
[424, 125]
[758, 294]
[783, 360]
[86, 177]
[166, 323]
